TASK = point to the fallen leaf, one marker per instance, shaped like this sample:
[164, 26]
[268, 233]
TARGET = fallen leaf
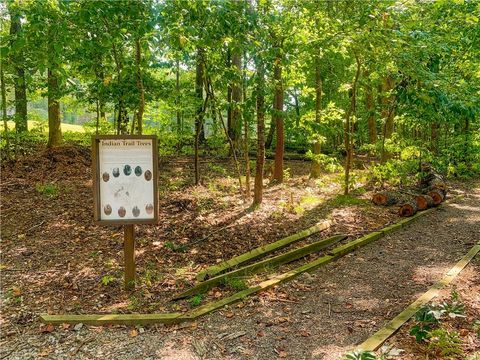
[304, 333]
[47, 328]
[133, 333]
[260, 334]
[282, 354]
[229, 314]
[16, 291]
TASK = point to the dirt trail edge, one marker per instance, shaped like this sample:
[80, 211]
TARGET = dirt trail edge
[318, 316]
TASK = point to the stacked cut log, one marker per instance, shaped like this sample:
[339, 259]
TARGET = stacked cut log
[408, 209]
[437, 195]
[384, 198]
[424, 202]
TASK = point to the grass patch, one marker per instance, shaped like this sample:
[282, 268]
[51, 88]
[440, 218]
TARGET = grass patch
[347, 200]
[48, 190]
[235, 284]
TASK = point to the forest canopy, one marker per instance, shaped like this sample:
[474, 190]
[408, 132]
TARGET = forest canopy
[395, 80]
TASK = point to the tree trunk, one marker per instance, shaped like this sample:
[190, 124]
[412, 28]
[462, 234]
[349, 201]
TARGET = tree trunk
[236, 121]
[141, 90]
[177, 96]
[4, 113]
[388, 113]
[260, 90]
[408, 209]
[199, 134]
[370, 107]
[315, 167]
[348, 127]
[278, 119]
[19, 78]
[54, 130]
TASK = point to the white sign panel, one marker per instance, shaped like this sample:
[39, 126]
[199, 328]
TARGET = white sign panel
[126, 176]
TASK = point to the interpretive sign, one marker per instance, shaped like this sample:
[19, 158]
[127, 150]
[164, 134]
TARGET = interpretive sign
[125, 179]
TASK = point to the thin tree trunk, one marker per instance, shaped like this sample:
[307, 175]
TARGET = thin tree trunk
[199, 135]
[54, 130]
[19, 79]
[348, 127]
[177, 96]
[4, 113]
[98, 118]
[278, 119]
[315, 167]
[370, 107]
[141, 90]
[260, 90]
[388, 113]
[236, 123]
[247, 115]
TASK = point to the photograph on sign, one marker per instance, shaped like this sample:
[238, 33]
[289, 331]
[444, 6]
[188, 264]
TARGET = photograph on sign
[126, 186]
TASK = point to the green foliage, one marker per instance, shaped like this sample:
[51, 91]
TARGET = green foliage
[328, 163]
[360, 355]
[395, 172]
[47, 190]
[108, 279]
[445, 343]
[425, 319]
[195, 300]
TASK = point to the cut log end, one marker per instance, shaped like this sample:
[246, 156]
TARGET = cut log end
[384, 198]
[424, 202]
[408, 209]
[437, 195]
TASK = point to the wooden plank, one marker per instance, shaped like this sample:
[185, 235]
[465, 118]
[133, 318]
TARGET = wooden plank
[260, 266]
[376, 340]
[364, 240]
[261, 251]
[113, 319]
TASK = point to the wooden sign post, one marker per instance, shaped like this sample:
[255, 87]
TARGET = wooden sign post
[125, 173]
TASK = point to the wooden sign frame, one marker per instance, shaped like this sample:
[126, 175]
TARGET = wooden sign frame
[96, 179]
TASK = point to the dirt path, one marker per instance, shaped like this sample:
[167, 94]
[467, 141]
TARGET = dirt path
[319, 316]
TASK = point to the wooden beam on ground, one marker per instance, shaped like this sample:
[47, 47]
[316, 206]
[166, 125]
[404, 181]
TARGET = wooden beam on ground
[376, 340]
[113, 319]
[260, 266]
[262, 250]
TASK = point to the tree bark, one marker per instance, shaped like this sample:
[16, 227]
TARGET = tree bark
[348, 127]
[141, 89]
[260, 94]
[278, 119]
[315, 167]
[370, 107]
[19, 79]
[236, 121]
[4, 113]
[388, 113]
[177, 96]
[54, 130]
[199, 134]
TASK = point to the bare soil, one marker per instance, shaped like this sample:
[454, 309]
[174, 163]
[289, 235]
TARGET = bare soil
[56, 260]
